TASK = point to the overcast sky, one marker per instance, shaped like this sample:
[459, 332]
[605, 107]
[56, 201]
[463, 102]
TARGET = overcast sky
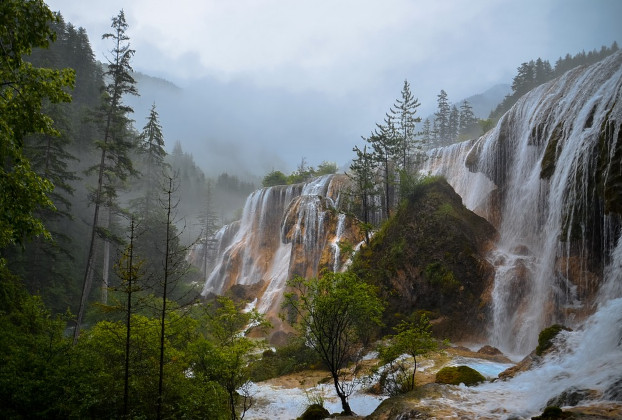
[341, 63]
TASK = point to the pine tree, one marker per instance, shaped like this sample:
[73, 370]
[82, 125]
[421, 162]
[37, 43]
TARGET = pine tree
[468, 121]
[45, 261]
[454, 124]
[402, 114]
[362, 172]
[441, 119]
[115, 165]
[23, 89]
[385, 149]
[208, 221]
[151, 147]
[426, 133]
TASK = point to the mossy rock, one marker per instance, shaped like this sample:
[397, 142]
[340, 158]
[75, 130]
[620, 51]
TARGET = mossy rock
[314, 412]
[552, 413]
[430, 255]
[456, 375]
[546, 336]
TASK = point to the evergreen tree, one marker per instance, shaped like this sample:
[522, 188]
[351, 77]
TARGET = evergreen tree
[427, 136]
[454, 124]
[45, 262]
[402, 115]
[543, 72]
[441, 119]
[151, 146]
[362, 172]
[468, 121]
[209, 224]
[385, 148]
[23, 89]
[115, 164]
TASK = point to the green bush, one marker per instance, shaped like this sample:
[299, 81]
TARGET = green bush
[293, 357]
[314, 412]
[456, 375]
[546, 336]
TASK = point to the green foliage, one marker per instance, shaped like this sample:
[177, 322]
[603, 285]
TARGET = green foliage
[326, 168]
[33, 355]
[274, 178]
[536, 72]
[23, 89]
[314, 412]
[302, 174]
[456, 375]
[546, 336]
[441, 276]
[486, 124]
[42, 375]
[293, 357]
[223, 354]
[335, 314]
[411, 338]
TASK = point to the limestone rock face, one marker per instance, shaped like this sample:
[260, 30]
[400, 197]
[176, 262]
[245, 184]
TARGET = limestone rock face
[431, 257]
[548, 177]
[285, 231]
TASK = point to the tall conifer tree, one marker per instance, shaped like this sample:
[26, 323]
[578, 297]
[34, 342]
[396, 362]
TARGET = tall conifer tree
[115, 164]
[402, 114]
[441, 118]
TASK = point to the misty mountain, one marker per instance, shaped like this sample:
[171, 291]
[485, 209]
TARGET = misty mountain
[227, 128]
[486, 101]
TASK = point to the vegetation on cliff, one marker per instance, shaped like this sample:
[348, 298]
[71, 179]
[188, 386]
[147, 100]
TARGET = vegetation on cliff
[429, 258]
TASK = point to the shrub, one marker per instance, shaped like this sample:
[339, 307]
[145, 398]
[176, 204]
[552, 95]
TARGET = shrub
[545, 339]
[456, 375]
[314, 412]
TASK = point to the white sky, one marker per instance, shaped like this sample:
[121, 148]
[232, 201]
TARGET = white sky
[349, 51]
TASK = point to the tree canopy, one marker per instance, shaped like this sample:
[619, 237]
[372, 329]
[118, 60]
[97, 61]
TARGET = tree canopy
[23, 89]
[336, 314]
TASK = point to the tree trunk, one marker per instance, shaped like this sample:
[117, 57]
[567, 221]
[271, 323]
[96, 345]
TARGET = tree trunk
[106, 265]
[126, 376]
[344, 399]
[167, 252]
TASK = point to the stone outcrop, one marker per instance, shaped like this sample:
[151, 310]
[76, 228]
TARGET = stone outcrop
[431, 257]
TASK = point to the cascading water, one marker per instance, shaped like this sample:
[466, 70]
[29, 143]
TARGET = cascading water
[544, 177]
[284, 231]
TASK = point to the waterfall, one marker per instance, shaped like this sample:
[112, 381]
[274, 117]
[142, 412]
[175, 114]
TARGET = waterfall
[544, 176]
[284, 231]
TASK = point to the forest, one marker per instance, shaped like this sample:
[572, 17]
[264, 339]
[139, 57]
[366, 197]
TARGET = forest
[101, 312]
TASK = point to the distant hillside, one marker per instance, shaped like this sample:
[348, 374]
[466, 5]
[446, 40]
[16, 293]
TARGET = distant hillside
[487, 101]
[146, 83]
[483, 103]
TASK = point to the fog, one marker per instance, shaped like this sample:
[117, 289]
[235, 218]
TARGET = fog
[264, 83]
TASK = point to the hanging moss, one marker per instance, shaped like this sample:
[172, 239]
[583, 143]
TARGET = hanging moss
[456, 375]
[549, 159]
[611, 166]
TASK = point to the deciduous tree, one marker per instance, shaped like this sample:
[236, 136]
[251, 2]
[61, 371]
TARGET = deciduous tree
[23, 88]
[335, 313]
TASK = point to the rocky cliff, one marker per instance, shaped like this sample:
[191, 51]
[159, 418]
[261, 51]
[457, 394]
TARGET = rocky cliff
[431, 257]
